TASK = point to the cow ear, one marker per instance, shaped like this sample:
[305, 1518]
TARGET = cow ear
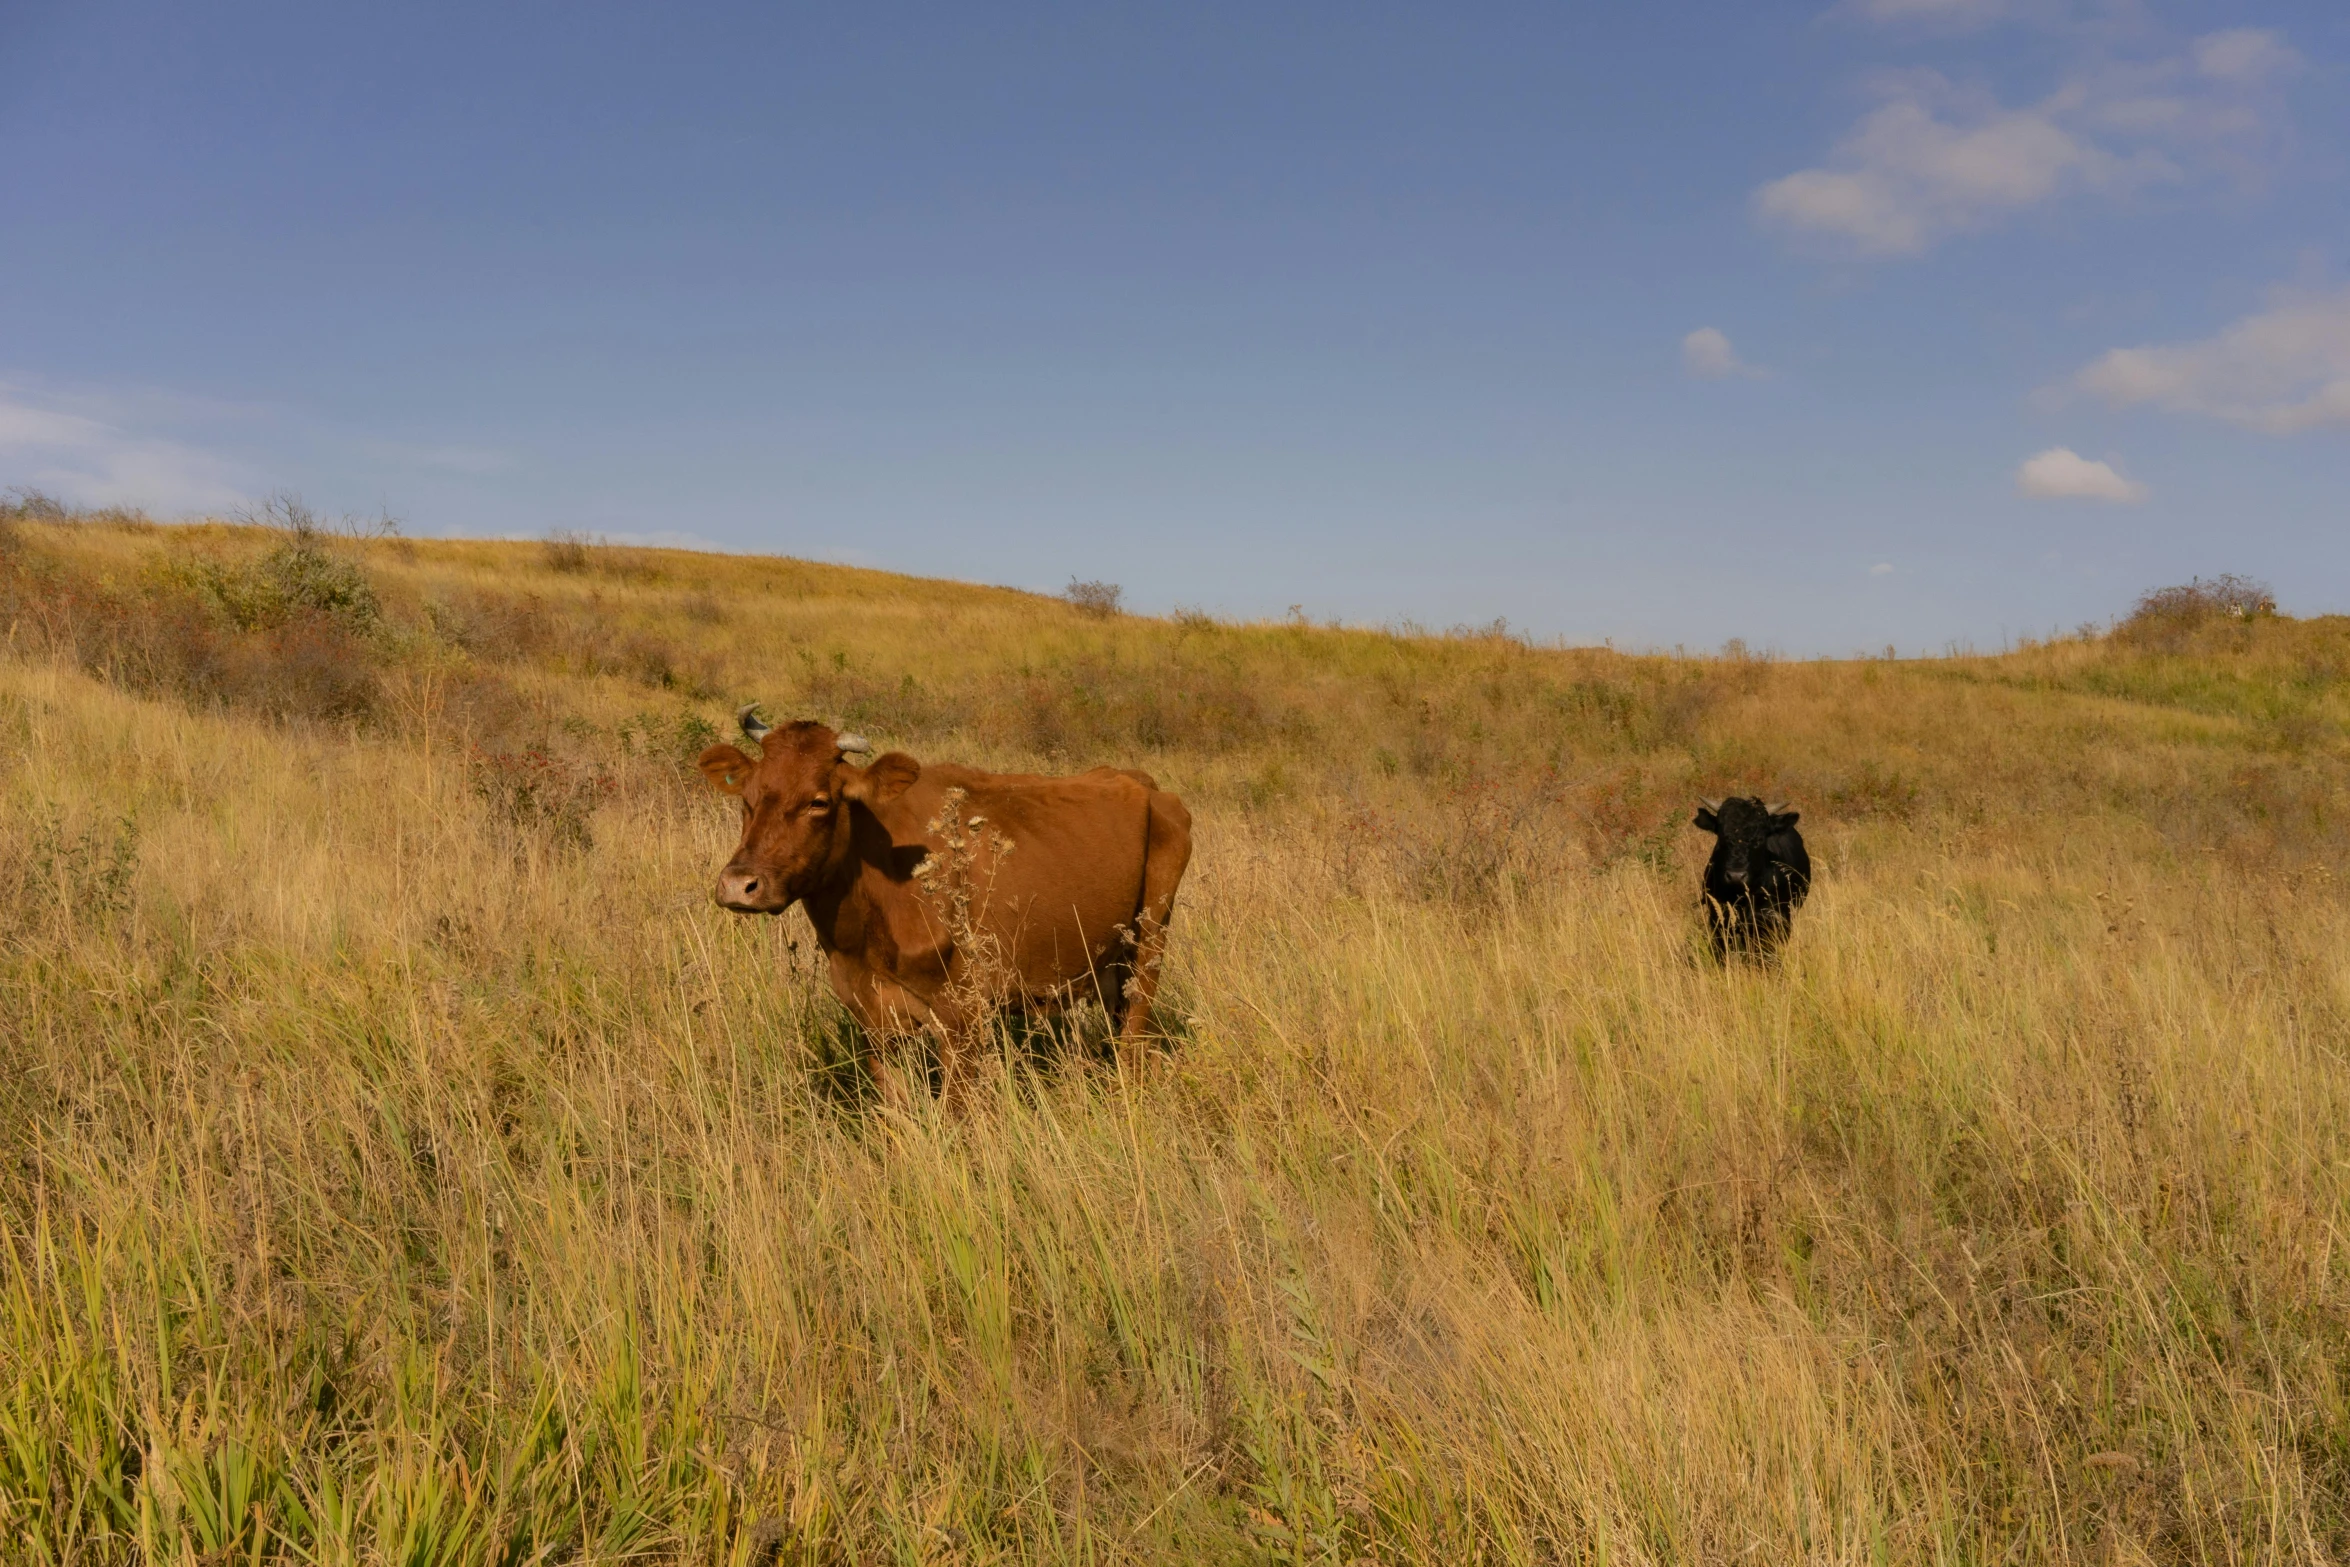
[889, 776]
[1708, 820]
[726, 768]
[1782, 820]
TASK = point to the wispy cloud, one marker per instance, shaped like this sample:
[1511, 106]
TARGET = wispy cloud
[1964, 16]
[1933, 158]
[2282, 370]
[449, 458]
[2062, 474]
[2249, 55]
[93, 461]
[1940, 13]
[1707, 354]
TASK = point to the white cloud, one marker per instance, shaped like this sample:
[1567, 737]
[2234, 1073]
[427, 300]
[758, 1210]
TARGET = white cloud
[2283, 370]
[1883, 568]
[2062, 474]
[1707, 354]
[92, 462]
[1954, 16]
[1933, 159]
[1926, 164]
[1958, 13]
[2244, 54]
[23, 426]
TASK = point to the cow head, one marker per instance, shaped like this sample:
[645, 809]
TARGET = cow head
[798, 794]
[1744, 825]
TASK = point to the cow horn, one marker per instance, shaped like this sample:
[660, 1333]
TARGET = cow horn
[1714, 806]
[1777, 808]
[855, 745]
[749, 719]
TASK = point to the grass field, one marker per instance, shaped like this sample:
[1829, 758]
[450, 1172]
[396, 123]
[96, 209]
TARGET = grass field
[403, 1161]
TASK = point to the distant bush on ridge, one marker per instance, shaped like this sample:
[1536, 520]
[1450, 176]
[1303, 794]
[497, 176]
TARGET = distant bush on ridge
[2163, 616]
[1098, 599]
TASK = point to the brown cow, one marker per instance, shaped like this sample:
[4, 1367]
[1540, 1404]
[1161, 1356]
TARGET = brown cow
[941, 892]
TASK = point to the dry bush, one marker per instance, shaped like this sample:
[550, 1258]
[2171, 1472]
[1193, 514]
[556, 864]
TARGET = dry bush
[30, 505]
[1092, 706]
[1098, 599]
[1873, 789]
[2166, 617]
[290, 633]
[677, 740]
[861, 700]
[565, 550]
[496, 627]
[540, 794]
[658, 661]
[299, 579]
[81, 875]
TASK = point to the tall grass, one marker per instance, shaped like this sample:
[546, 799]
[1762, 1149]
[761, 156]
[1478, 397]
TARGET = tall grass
[402, 1161]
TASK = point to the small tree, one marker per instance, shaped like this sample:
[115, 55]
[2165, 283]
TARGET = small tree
[1098, 599]
[2164, 616]
[2238, 598]
[285, 512]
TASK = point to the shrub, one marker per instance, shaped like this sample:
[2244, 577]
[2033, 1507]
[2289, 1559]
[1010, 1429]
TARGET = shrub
[29, 505]
[299, 576]
[2164, 615]
[1091, 707]
[492, 626]
[313, 666]
[291, 634]
[656, 661]
[566, 550]
[679, 740]
[89, 875]
[538, 793]
[1098, 599]
[297, 579]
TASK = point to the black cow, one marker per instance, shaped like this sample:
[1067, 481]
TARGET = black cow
[1757, 877]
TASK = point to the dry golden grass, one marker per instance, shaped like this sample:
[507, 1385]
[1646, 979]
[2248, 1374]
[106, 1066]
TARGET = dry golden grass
[402, 1161]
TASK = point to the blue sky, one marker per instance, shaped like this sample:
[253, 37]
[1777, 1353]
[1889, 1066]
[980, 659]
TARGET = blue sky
[1909, 322]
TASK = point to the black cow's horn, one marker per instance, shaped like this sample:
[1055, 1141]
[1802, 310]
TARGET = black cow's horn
[854, 745]
[749, 719]
[1714, 806]
[1777, 808]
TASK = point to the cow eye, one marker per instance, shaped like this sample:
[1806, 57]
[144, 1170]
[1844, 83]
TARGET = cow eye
[820, 804]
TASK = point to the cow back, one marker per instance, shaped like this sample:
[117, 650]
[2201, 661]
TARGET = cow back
[1051, 870]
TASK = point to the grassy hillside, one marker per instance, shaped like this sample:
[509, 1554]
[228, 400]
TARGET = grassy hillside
[401, 1160]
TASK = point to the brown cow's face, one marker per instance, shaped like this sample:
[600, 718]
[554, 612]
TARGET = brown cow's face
[796, 795]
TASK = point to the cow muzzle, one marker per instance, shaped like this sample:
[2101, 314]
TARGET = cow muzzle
[750, 891]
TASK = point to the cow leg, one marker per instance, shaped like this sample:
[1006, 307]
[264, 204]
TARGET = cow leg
[891, 1015]
[1111, 984]
[1166, 856]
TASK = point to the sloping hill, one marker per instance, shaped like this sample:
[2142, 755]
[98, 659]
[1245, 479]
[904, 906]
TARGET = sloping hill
[404, 1160]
